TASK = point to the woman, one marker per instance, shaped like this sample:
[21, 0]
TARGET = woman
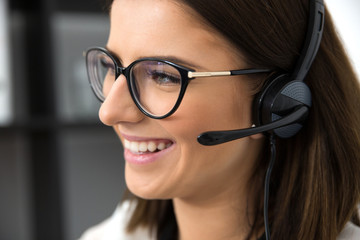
[185, 190]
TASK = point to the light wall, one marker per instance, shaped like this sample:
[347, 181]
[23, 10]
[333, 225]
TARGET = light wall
[5, 103]
[346, 15]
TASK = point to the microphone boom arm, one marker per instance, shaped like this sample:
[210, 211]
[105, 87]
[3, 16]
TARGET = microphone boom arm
[217, 137]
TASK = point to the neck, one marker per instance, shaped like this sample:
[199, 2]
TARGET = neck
[215, 218]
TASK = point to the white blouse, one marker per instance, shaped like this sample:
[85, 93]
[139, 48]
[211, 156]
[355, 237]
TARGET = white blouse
[114, 228]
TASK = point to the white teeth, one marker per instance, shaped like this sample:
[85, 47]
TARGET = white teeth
[142, 147]
[126, 144]
[151, 146]
[161, 146]
[134, 146]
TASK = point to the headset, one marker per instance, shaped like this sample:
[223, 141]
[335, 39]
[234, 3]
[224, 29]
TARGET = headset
[283, 104]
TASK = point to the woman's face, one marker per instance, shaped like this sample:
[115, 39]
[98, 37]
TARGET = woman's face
[184, 169]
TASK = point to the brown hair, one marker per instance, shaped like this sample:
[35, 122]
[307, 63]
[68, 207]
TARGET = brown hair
[315, 186]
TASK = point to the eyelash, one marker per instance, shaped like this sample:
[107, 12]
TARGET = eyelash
[173, 79]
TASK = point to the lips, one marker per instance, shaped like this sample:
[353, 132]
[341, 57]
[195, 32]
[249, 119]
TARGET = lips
[142, 147]
[141, 151]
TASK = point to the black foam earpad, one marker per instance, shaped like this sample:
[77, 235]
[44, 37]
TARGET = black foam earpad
[280, 97]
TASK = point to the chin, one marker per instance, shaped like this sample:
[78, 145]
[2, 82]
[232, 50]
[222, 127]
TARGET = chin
[147, 191]
[148, 195]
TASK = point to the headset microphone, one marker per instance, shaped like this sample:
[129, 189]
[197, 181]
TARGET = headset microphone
[218, 137]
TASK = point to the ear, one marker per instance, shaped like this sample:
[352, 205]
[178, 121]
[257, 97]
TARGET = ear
[257, 136]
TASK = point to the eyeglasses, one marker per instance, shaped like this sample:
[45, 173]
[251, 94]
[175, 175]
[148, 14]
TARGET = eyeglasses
[156, 86]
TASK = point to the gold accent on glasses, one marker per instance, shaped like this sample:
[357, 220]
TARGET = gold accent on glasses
[208, 74]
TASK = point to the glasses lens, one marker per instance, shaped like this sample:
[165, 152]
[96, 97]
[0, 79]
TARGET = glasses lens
[156, 86]
[101, 71]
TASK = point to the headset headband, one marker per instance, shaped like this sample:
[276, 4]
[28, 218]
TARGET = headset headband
[312, 41]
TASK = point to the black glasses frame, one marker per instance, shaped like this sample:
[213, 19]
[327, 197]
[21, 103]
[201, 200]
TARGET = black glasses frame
[186, 74]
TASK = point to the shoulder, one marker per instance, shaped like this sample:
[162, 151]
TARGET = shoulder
[350, 232]
[114, 228]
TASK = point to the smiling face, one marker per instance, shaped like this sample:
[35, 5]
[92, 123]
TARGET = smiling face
[163, 158]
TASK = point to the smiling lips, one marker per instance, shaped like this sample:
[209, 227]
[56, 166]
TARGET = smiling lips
[141, 147]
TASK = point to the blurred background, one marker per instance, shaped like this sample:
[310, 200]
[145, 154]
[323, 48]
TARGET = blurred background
[61, 171]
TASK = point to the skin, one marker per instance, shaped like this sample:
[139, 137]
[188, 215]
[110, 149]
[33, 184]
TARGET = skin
[209, 185]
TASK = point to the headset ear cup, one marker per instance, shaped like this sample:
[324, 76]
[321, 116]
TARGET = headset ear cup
[259, 99]
[292, 96]
[279, 98]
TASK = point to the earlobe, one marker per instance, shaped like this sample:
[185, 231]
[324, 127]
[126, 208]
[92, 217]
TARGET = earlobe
[256, 136]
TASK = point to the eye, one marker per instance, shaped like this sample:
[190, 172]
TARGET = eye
[164, 78]
[161, 73]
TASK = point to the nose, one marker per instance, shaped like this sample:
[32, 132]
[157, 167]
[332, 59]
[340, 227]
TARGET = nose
[118, 106]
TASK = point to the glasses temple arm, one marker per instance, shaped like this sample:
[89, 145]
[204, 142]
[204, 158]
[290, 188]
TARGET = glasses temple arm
[227, 73]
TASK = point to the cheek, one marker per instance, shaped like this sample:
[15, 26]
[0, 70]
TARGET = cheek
[206, 107]
[200, 166]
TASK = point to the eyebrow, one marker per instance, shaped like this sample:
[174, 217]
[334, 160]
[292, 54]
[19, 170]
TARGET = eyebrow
[169, 58]
[176, 60]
